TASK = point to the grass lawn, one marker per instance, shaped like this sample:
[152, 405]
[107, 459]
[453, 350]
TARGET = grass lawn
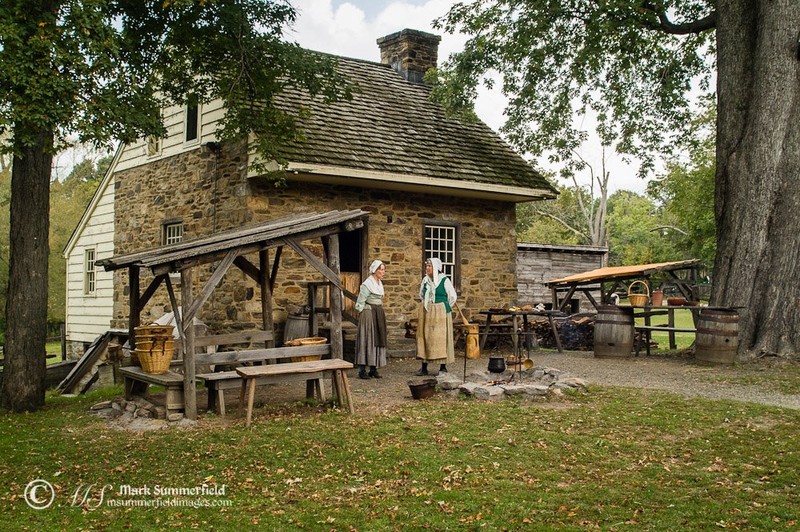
[683, 319]
[616, 459]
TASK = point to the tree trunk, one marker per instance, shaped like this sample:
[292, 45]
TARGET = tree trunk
[758, 168]
[26, 305]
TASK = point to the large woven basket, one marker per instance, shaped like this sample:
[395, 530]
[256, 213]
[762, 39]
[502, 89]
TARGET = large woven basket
[638, 300]
[155, 347]
[155, 361]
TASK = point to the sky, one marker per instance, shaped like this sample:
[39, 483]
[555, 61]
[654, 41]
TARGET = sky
[351, 27]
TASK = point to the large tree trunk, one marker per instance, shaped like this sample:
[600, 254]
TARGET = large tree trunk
[26, 305]
[758, 172]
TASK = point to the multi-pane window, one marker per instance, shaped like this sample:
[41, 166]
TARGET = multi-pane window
[89, 274]
[192, 122]
[173, 233]
[441, 242]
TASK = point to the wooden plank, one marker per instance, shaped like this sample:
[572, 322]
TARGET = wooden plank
[331, 364]
[248, 268]
[663, 328]
[263, 354]
[169, 378]
[266, 295]
[239, 337]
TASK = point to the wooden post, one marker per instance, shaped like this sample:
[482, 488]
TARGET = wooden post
[332, 246]
[133, 309]
[63, 328]
[189, 390]
[266, 294]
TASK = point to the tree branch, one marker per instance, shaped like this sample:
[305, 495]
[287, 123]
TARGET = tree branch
[666, 25]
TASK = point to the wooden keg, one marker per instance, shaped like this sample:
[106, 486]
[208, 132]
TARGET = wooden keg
[717, 336]
[613, 331]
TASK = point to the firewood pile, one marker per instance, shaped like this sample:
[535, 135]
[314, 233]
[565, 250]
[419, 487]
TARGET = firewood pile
[576, 332]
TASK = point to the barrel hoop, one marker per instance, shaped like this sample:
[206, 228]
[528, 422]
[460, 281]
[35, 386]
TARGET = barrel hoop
[720, 318]
[717, 332]
[612, 322]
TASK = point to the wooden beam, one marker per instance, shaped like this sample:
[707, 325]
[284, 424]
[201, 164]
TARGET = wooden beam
[189, 387]
[175, 310]
[333, 268]
[145, 297]
[134, 310]
[266, 295]
[208, 289]
[248, 268]
[275, 263]
[327, 272]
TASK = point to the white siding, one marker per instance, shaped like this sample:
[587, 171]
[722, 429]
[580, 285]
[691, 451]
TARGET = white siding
[135, 154]
[89, 315]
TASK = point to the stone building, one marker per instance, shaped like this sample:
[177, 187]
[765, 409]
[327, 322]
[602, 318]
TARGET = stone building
[433, 186]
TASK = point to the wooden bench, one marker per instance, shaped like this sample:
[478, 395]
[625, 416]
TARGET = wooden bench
[171, 381]
[647, 329]
[313, 370]
[239, 350]
[218, 381]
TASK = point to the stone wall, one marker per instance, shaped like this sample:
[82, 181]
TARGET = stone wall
[210, 193]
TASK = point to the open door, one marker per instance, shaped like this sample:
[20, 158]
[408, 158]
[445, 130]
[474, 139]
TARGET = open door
[352, 255]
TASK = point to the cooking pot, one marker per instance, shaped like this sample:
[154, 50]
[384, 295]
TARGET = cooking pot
[497, 364]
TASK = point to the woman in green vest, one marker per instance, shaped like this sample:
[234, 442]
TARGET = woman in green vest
[435, 327]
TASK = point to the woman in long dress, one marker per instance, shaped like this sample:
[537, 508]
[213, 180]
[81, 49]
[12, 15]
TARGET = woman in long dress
[371, 336]
[435, 326]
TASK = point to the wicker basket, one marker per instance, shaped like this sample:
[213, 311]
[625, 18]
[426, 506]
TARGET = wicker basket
[155, 362]
[638, 300]
[312, 340]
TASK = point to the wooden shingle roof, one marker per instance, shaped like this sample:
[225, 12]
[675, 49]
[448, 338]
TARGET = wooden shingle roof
[245, 239]
[391, 126]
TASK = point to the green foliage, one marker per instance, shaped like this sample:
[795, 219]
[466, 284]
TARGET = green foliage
[68, 201]
[686, 192]
[634, 237]
[619, 60]
[610, 459]
[115, 64]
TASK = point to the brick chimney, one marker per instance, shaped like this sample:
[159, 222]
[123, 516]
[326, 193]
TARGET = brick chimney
[410, 52]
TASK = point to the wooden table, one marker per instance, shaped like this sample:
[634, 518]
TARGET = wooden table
[309, 370]
[516, 315]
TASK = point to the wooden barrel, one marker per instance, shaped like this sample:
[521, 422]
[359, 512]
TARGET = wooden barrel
[613, 331]
[717, 336]
[473, 343]
[296, 327]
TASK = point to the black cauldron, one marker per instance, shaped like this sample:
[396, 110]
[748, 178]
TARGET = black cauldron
[497, 364]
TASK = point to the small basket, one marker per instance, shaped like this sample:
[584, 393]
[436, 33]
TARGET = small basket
[638, 300]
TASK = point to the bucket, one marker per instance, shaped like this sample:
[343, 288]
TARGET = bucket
[658, 298]
[473, 343]
[717, 336]
[422, 389]
[613, 331]
[296, 327]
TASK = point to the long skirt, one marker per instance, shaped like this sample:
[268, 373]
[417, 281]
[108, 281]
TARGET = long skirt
[435, 334]
[367, 352]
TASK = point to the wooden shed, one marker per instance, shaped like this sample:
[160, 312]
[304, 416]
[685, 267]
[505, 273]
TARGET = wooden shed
[537, 264]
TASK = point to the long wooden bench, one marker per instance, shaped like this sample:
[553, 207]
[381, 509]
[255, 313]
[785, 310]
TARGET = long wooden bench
[250, 377]
[225, 352]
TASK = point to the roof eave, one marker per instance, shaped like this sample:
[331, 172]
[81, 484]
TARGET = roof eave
[336, 175]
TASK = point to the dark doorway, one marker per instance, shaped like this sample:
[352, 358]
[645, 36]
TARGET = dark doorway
[350, 251]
